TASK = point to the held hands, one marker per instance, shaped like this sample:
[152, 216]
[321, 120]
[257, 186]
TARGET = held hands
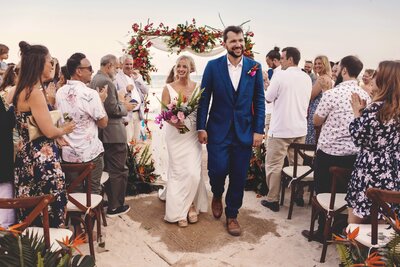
[203, 137]
[357, 104]
[62, 142]
[257, 139]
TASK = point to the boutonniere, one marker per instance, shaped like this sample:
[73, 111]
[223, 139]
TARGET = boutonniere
[253, 70]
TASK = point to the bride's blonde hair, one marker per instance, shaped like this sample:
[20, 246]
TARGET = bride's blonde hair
[192, 66]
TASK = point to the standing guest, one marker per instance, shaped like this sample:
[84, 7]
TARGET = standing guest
[335, 72]
[273, 60]
[308, 68]
[323, 83]
[375, 130]
[7, 122]
[113, 137]
[37, 164]
[9, 80]
[3, 56]
[235, 122]
[290, 92]
[64, 77]
[367, 81]
[130, 83]
[84, 106]
[335, 147]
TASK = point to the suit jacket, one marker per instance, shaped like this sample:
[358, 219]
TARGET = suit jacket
[7, 122]
[115, 131]
[245, 110]
[121, 83]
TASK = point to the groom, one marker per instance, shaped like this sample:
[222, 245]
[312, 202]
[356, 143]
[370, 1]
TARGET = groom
[235, 122]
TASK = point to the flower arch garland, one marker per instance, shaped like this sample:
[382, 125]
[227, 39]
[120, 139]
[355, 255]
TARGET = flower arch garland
[184, 37]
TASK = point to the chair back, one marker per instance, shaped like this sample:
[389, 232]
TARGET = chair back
[84, 178]
[380, 199]
[299, 150]
[340, 176]
[39, 205]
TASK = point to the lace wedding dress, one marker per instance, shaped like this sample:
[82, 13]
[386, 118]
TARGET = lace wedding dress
[185, 184]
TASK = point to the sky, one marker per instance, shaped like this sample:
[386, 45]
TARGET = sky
[368, 29]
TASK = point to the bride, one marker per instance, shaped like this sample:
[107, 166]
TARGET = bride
[186, 193]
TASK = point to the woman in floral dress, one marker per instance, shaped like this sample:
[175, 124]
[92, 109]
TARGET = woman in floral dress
[376, 130]
[37, 164]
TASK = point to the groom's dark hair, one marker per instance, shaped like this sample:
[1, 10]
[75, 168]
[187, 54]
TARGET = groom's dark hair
[235, 29]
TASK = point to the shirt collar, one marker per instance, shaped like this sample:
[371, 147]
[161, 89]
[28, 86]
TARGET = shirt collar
[230, 64]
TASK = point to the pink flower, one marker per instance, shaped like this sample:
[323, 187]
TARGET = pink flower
[252, 73]
[170, 106]
[181, 116]
[174, 119]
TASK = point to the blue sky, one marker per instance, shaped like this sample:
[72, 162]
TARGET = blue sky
[366, 28]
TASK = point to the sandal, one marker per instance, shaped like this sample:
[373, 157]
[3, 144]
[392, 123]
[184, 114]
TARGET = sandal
[192, 215]
[183, 223]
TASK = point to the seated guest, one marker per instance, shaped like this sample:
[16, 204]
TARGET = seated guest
[85, 107]
[375, 130]
[334, 113]
[7, 122]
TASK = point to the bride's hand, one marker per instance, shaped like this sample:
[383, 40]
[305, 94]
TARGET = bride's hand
[178, 125]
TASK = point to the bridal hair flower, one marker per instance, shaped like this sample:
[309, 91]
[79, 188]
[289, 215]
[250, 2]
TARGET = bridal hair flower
[253, 70]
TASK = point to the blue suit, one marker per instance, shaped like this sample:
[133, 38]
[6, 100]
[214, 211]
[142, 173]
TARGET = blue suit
[232, 120]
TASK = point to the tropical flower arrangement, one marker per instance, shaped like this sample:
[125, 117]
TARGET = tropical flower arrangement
[141, 170]
[189, 35]
[256, 172]
[352, 255]
[179, 109]
[17, 249]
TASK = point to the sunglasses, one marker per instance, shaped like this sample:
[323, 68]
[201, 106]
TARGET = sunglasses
[89, 68]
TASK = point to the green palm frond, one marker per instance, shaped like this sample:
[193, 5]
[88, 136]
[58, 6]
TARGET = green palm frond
[345, 255]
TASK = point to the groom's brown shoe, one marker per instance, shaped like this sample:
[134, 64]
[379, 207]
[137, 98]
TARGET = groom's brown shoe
[233, 226]
[216, 207]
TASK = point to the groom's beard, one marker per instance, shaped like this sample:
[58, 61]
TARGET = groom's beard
[232, 53]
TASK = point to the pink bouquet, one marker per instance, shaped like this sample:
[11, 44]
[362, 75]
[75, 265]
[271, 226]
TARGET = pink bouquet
[179, 109]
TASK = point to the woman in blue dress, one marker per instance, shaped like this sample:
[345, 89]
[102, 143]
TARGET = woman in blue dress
[376, 130]
[37, 164]
[322, 83]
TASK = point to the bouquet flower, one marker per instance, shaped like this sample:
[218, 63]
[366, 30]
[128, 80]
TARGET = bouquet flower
[179, 109]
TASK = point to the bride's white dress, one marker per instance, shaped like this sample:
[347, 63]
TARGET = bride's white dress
[185, 184]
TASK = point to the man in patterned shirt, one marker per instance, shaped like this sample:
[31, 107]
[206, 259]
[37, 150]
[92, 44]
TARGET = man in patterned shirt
[334, 113]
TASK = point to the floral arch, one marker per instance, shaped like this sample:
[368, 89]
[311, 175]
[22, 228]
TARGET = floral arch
[201, 41]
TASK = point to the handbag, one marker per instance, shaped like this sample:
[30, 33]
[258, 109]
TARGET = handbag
[33, 129]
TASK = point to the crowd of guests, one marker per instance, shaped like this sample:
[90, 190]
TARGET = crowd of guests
[360, 126]
[92, 127]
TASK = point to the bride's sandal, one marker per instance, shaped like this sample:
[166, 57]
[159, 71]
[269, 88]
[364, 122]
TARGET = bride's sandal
[183, 223]
[192, 215]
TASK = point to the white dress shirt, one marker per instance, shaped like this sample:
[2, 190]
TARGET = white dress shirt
[235, 72]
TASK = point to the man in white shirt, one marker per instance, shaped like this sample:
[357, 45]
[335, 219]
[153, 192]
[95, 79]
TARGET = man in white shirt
[84, 106]
[131, 86]
[335, 146]
[290, 91]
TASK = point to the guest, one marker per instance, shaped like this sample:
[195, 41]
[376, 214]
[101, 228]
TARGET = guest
[273, 59]
[290, 92]
[9, 80]
[7, 122]
[64, 77]
[322, 83]
[113, 137]
[85, 106]
[3, 56]
[186, 194]
[335, 72]
[37, 164]
[130, 83]
[335, 147]
[375, 130]
[308, 68]
[367, 81]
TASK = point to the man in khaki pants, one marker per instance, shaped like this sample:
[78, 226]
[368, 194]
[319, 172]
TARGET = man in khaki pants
[290, 91]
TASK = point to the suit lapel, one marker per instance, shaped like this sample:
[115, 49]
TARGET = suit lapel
[244, 77]
[225, 76]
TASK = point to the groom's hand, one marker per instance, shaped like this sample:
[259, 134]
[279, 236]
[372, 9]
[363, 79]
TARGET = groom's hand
[257, 139]
[202, 135]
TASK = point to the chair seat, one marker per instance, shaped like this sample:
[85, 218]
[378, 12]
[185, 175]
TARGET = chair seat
[300, 171]
[324, 200]
[81, 198]
[104, 177]
[309, 153]
[364, 235]
[55, 234]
